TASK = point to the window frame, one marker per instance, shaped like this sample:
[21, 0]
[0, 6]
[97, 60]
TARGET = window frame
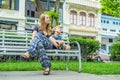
[91, 19]
[73, 15]
[82, 18]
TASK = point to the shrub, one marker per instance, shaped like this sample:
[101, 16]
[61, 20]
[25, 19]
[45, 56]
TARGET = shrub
[115, 51]
[88, 46]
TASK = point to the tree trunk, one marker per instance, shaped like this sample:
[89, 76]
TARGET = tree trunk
[39, 7]
[56, 10]
[57, 3]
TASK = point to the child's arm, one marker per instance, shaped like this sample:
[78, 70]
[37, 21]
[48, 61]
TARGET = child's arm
[54, 42]
[60, 42]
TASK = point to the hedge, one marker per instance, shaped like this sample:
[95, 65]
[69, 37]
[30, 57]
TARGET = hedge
[88, 46]
[115, 51]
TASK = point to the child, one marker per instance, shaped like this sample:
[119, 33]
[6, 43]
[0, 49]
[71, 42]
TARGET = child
[56, 39]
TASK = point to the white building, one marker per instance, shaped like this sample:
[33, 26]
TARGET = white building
[110, 29]
[22, 14]
[12, 14]
[81, 18]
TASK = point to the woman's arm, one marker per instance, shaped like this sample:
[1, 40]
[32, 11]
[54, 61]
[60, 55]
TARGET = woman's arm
[33, 34]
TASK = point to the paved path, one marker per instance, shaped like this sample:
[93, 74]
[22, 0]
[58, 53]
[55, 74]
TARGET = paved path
[55, 75]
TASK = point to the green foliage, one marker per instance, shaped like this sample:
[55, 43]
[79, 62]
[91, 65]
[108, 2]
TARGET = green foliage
[32, 0]
[118, 37]
[115, 51]
[90, 44]
[52, 15]
[111, 7]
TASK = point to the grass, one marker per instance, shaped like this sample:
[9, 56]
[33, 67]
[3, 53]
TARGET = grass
[87, 67]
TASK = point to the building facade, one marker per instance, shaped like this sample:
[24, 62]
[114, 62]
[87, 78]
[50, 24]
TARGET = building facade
[22, 14]
[32, 17]
[109, 31]
[81, 18]
[12, 14]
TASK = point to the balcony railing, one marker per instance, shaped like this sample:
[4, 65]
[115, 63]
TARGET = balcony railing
[10, 13]
[88, 3]
[32, 20]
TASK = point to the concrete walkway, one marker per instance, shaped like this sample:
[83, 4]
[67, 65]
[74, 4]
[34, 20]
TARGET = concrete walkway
[55, 75]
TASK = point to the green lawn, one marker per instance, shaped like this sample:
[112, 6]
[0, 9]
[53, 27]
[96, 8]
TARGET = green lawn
[87, 67]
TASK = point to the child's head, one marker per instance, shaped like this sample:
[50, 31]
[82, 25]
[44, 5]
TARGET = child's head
[56, 29]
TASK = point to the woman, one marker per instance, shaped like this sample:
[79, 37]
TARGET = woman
[40, 42]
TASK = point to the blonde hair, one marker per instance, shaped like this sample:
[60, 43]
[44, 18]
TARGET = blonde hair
[43, 27]
[53, 29]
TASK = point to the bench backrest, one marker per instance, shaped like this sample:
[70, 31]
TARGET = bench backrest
[18, 41]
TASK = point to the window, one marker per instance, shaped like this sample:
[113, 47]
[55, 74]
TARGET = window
[28, 12]
[9, 4]
[116, 23]
[110, 40]
[32, 13]
[5, 4]
[44, 6]
[103, 46]
[0, 3]
[73, 17]
[104, 29]
[60, 15]
[91, 19]
[107, 22]
[113, 22]
[109, 47]
[104, 21]
[8, 27]
[82, 18]
[111, 30]
[101, 21]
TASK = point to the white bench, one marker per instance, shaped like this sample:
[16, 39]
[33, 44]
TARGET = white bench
[17, 42]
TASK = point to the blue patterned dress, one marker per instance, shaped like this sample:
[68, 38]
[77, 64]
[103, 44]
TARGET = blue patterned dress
[38, 46]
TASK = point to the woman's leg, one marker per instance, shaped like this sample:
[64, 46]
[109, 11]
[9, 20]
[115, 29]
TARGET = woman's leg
[44, 60]
[39, 38]
[33, 45]
[39, 44]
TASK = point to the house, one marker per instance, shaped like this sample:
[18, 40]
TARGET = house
[110, 28]
[12, 14]
[81, 18]
[22, 14]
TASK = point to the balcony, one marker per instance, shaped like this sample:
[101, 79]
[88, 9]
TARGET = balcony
[84, 29]
[87, 3]
[5, 13]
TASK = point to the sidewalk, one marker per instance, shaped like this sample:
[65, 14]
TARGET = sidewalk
[55, 75]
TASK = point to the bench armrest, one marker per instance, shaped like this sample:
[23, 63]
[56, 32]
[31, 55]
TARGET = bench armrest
[74, 45]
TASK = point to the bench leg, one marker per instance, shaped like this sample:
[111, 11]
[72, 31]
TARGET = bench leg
[68, 57]
[80, 66]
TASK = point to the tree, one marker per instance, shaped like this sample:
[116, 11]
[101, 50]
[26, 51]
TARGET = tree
[38, 6]
[53, 14]
[118, 38]
[56, 10]
[115, 51]
[110, 7]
